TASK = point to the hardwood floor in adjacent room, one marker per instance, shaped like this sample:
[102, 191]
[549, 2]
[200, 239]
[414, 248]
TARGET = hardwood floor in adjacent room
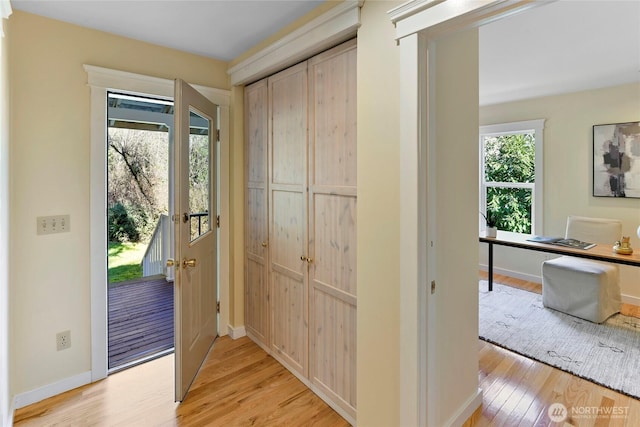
[518, 391]
[238, 385]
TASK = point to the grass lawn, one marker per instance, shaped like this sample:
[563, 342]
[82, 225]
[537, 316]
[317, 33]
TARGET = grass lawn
[124, 261]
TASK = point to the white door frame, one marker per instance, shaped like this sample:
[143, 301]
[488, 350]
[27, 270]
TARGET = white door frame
[102, 80]
[418, 24]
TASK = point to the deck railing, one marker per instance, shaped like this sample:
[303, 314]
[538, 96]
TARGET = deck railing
[155, 257]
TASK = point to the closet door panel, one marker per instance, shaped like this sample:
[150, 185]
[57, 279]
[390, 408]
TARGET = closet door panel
[256, 117]
[335, 341]
[335, 241]
[288, 217]
[257, 314]
[256, 220]
[257, 310]
[333, 112]
[332, 224]
[288, 230]
[289, 126]
[289, 320]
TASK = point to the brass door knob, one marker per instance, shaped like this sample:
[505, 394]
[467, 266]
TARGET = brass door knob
[170, 262]
[264, 244]
[188, 263]
[306, 258]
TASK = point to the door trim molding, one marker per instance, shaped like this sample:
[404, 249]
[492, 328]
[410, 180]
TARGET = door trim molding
[329, 29]
[100, 81]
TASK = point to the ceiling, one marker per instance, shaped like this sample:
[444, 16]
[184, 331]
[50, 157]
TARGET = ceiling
[220, 29]
[565, 46]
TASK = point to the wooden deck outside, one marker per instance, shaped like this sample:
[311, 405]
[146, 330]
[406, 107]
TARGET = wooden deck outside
[140, 320]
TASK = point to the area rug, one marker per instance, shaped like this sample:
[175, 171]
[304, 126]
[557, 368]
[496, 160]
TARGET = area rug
[607, 354]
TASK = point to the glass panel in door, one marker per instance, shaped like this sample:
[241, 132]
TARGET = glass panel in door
[199, 174]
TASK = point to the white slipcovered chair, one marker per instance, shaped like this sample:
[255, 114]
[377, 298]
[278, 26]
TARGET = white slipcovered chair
[584, 288]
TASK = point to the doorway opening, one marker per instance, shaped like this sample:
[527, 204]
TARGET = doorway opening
[140, 300]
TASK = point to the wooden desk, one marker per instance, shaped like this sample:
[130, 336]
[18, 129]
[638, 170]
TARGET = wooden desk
[601, 252]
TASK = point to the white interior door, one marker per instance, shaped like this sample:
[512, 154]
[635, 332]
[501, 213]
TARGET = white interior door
[196, 286]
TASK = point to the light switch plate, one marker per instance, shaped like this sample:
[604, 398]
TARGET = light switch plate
[53, 224]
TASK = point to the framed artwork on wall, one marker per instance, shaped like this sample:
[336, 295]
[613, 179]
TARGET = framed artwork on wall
[616, 160]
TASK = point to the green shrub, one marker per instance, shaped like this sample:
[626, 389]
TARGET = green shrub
[121, 226]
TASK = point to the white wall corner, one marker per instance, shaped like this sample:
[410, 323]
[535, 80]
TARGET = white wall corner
[238, 332]
[466, 410]
[329, 29]
[27, 398]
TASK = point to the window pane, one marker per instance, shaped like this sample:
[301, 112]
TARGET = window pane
[512, 207]
[509, 158]
[199, 173]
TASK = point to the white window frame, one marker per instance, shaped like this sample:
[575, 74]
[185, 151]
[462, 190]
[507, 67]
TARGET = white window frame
[529, 126]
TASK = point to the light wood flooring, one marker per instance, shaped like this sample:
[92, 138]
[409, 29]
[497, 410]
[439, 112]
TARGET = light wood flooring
[518, 391]
[240, 385]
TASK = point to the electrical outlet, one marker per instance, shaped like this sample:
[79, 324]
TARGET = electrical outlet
[63, 340]
[53, 224]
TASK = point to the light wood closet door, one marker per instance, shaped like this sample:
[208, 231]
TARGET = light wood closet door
[332, 224]
[257, 311]
[288, 216]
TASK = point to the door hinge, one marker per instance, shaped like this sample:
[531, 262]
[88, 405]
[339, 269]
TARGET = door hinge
[218, 221]
[218, 135]
[175, 217]
[218, 307]
[433, 286]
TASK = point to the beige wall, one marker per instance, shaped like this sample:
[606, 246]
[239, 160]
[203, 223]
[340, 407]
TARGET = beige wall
[5, 396]
[378, 357]
[50, 107]
[568, 166]
[455, 302]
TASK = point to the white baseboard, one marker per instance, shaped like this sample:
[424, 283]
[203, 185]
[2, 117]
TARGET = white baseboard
[24, 399]
[238, 332]
[465, 412]
[630, 299]
[516, 274]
